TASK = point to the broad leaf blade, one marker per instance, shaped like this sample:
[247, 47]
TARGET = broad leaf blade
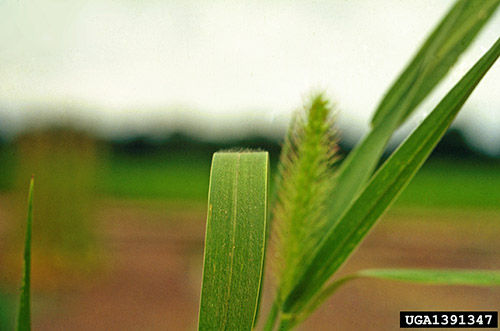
[438, 54]
[235, 241]
[24, 315]
[384, 187]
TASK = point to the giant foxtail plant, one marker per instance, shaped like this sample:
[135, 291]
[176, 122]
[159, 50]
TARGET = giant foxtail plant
[321, 211]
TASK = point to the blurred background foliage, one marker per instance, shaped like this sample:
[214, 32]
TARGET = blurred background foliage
[64, 161]
[177, 167]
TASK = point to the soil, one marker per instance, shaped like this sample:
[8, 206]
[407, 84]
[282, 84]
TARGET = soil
[153, 263]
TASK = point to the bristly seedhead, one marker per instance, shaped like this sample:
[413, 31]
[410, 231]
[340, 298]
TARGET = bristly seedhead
[305, 175]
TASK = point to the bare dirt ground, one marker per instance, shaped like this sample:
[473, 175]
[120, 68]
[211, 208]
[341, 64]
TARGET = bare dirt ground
[154, 260]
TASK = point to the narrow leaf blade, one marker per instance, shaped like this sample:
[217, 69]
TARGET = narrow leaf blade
[441, 50]
[464, 277]
[384, 187]
[24, 315]
[436, 277]
[435, 58]
[235, 241]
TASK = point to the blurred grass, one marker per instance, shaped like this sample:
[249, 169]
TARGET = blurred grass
[64, 163]
[7, 311]
[7, 166]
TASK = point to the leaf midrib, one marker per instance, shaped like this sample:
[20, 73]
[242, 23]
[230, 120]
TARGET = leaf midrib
[234, 207]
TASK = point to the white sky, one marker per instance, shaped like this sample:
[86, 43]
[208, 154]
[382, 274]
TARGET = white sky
[220, 67]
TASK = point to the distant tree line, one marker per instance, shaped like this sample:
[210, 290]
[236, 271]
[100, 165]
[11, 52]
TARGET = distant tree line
[452, 146]
[178, 144]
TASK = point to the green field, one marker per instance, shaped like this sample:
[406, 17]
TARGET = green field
[454, 184]
[177, 178]
[440, 183]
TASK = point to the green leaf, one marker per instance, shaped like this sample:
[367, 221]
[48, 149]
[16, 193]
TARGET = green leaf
[24, 315]
[423, 276]
[436, 277]
[383, 188]
[235, 241]
[434, 59]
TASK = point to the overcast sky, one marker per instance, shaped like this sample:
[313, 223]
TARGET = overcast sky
[220, 67]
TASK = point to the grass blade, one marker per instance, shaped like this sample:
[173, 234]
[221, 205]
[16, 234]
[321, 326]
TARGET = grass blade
[436, 277]
[24, 316]
[434, 59]
[235, 241]
[462, 277]
[384, 187]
